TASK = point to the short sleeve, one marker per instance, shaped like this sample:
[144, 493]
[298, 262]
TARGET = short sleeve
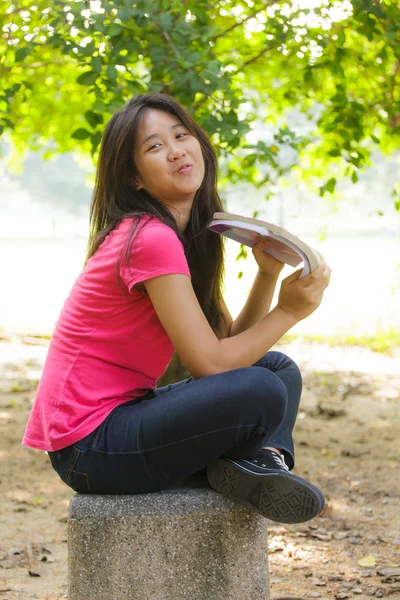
[156, 250]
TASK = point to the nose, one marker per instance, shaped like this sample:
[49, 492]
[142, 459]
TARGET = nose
[175, 153]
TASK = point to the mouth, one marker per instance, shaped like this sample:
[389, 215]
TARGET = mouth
[186, 168]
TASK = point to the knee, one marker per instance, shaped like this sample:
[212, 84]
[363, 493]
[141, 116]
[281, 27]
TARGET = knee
[278, 361]
[266, 393]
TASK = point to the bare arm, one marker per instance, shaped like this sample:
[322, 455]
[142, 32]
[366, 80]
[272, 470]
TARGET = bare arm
[259, 300]
[258, 303]
[199, 348]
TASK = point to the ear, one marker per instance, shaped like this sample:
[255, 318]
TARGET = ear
[138, 184]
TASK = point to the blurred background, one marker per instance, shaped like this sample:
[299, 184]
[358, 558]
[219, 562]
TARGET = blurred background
[44, 216]
[301, 101]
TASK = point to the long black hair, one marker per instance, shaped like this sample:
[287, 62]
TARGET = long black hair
[115, 197]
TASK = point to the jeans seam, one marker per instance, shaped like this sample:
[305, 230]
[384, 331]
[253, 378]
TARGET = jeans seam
[96, 437]
[85, 475]
[177, 442]
[72, 466]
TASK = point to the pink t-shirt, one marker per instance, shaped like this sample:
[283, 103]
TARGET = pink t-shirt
[107, 347]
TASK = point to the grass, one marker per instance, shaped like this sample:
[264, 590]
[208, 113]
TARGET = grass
[384, 341]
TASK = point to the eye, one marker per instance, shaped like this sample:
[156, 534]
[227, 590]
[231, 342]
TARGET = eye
[182, 134]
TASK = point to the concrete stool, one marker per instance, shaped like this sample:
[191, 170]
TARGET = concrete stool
[181, 543]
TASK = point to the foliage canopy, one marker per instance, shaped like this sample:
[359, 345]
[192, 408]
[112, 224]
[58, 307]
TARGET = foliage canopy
[65, 68]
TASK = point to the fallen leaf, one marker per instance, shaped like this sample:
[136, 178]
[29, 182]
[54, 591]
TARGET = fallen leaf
[34, 573]
[341, 535]
[7, 564]
[316, 581]
[389, 572]
[367, 561]
[46, 558]
[288, 598]
[325, 537]
[393, 590]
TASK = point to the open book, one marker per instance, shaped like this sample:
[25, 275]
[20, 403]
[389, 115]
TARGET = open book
[278, 242]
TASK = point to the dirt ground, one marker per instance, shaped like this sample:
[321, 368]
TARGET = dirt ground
[347, 442]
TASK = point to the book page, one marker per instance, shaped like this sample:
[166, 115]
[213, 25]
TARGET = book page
[281, 249]
[314, 258]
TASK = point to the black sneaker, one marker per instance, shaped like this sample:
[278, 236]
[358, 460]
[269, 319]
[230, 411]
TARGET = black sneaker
[265, 483]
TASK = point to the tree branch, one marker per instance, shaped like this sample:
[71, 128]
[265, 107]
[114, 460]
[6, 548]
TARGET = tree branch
[241, 67]
[395, 74]
[251, 60]
[250, 16]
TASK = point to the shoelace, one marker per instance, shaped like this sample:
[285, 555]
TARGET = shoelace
[279, 458]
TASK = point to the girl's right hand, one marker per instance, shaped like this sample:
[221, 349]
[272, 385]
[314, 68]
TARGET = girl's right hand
[301, 297]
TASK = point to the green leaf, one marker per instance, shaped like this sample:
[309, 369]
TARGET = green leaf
[96, 63]
[124, 13]
[165, 20]
[81, 134]
[240, 274]
[91, 118]
[308, 75]
[22, 53]
[95, 139]
[354, 177]
[330, 185]
[112, 72]
[87, 78]
[242, 253]
[88, 50]
[114, 30]
[341, 37]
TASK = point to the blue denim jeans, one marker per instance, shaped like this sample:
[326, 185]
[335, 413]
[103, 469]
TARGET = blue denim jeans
[162, 438]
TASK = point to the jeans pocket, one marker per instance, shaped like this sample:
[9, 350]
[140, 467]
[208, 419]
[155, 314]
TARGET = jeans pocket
[79, 482]
[63, 461]
[67, 465]
[74, 478]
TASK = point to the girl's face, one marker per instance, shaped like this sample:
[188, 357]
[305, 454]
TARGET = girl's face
[162, 148]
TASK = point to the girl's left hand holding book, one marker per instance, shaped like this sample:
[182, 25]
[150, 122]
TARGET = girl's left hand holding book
[267, 264]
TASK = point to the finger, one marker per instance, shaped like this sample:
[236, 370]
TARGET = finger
[292, 277]
[259, 246]
[322, 282]
[315, 275]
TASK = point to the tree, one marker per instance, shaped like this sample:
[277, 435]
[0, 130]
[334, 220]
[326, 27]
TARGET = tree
[58, 183]
[67, 67]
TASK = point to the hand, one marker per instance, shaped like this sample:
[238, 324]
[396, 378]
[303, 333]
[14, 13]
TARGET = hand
[267, 264]
[301, 297]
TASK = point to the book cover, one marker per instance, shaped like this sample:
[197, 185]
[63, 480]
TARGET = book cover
[279, 242]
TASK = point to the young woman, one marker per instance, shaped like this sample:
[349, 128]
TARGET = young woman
[151, 285]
